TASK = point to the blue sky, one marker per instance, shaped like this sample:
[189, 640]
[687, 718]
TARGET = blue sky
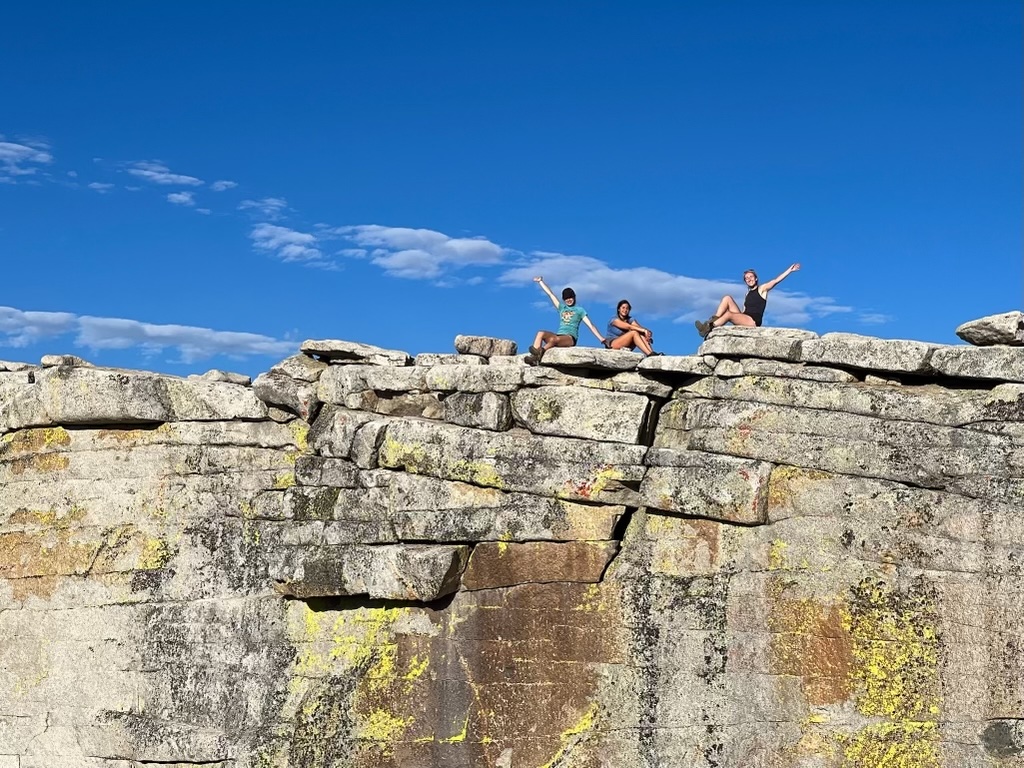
[187, 185]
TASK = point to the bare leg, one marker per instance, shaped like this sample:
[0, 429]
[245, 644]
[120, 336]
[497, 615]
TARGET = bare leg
[727, 304]
[737, 318]
[565, 340]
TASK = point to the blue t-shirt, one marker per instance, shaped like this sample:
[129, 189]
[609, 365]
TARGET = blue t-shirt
[570, 319]
[613, 330]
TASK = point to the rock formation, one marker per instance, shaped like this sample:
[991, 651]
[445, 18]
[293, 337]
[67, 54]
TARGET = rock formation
[785, 550]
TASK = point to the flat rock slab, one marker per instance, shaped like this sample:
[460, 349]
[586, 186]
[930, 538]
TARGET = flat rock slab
[390, 572]
[1007, 328]
[690, 364]
[351, 351]
[226, 376]
[52, 361]
[591, 414]
[596, 359]
[707, 485]
[993, 363]
[484, 346]
[433, 358]
[771, 343]
[776, 368]
[338, 381]
[293, 395]
[851, 350]
[501, 564]
[300, 367]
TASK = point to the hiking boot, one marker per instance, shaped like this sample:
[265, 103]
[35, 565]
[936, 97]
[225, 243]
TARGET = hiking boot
[702, 328]
[537, 354]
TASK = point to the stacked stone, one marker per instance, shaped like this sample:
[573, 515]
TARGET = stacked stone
[784, 550]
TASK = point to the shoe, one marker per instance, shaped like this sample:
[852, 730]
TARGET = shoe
[530, 360]
[656, 354]
[702, 328]
[536, 353]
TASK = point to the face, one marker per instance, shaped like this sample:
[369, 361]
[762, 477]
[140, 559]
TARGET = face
[570, 301]
[750, 279]
[624, 310]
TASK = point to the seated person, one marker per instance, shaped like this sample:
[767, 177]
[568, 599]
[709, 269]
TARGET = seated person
[570, 316]
[626, 333]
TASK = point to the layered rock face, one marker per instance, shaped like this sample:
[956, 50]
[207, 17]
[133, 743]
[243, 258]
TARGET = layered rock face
[785, 550]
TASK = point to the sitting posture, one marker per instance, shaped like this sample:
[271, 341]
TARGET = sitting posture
[569, 316]
[624, 332]
[753, 305]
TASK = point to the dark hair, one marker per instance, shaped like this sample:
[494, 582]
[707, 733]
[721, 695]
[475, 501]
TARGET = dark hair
[619, 305]
[568, 293]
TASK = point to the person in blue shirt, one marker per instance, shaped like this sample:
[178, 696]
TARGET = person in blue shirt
[570, 316]
[624, 332]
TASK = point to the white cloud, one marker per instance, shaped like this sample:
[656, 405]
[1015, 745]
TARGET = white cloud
[101, 187]
[181, 198]
[287, 244]
[19, 328]
[158, 173]
[419, 253]
[204, 211]
[268, 207]
[22, 159]
[220, 186]
[73, 174]
[191, 342]
[654, 292]
[875, 318]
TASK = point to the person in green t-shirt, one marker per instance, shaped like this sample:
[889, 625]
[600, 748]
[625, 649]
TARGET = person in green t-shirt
[570, 316]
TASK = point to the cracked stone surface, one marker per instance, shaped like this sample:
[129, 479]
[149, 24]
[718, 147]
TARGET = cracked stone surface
[788, 551]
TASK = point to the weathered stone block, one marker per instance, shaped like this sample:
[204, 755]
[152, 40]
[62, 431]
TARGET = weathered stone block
[350, 351]
[294, 395]
[301, 367]
[501, 564]
[773, 343]
[484, 346]
[486, 378]
[994, 329]
[852, 351]
[216, 375]
[998, 363]
[318, 470]
[754, 367]
[578, 412]
[595, 359]
[483, 410]
[687, 364]
[431, 358]
[338, 381]
[335, 429]
[557, 466]
[706, 485]
[423, 405]
[392, 572]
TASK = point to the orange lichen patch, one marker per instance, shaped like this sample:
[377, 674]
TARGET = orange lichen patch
[50, 553]
[33, 440]
[810, 641]
[683, 547]
[40, 462]
[50, 518]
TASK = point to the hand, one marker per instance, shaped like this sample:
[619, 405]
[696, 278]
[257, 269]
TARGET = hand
[538, 279]
[794, 267]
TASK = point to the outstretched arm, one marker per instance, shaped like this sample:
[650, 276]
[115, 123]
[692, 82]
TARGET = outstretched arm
[772, 283]
[596, 332]
[547, 290]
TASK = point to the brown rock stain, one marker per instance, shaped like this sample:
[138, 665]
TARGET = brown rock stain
[42, 462]
[809, 641]
[33, 441]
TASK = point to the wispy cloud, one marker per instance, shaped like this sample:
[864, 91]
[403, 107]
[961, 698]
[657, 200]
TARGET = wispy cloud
[654, 292]
[875, 318]
[269, 207]
[288, 244]
[181, 198]
[19, 160]
[19, 328]
[421, 254]
[223, 184]
[101, 187]
[158, 173]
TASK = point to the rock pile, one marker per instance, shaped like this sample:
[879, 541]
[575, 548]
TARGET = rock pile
[784, 550]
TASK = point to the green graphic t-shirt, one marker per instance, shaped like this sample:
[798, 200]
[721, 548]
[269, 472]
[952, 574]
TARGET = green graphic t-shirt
[571, 318]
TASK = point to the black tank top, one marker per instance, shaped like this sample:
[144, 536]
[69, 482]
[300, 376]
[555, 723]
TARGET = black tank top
[754, 305]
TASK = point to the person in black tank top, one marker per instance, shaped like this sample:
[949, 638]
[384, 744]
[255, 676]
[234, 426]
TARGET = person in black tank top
[753, 304]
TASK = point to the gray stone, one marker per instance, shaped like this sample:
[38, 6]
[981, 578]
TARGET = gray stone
[991, 363]
[390, 572]
[1007, 328]
[334, 430]
[578, 412]
[226, 376]
[300, 367]
[424, 405]
[64, 395]
[6, 365]
[71, 361]
[706, 485]
[320, 470]
[367, 442]
[336, 350]
[483, 410]
[565, 468]
[507, 360]
[432, 358]
[689, 364]
[500, 564]
[754, 367]
[865, 352]
[485, 378]
[294, 395]
[484, 346]
[341, 380]
[594, 359]
[738, 341]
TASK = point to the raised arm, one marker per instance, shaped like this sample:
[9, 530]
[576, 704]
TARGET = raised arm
[772, 283]
[596, 332]
[540, 280]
